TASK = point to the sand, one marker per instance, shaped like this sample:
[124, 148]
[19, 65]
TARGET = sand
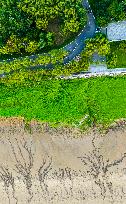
[41, 165]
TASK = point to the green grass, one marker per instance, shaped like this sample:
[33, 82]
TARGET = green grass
[108, 97]
[51, 101]
[60, 101]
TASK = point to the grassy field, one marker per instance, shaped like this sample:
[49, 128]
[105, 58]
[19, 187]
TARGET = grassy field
[59, 101]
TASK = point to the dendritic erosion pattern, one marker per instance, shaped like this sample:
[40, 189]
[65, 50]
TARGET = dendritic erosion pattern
[46, 183]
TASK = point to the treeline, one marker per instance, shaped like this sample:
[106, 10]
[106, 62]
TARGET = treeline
[107, 11]
[29, 26]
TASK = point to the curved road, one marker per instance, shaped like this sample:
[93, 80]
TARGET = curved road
[76, 47]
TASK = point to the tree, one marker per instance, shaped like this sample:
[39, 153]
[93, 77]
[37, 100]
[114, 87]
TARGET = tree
[41, 23]
[12, 45]
[42, 42]
[50, 39]
[31, 47]
[111, 60]
[12, 19]
[114, 10]
[99, 44]
[29, 18]
[71, 25]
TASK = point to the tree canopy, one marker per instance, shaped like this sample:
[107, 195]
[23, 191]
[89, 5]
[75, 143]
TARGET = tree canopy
[28, 25]
[108, 10]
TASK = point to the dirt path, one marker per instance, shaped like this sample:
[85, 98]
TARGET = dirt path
[40, 165]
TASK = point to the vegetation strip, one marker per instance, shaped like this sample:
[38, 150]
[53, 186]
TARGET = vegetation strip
[68, 102]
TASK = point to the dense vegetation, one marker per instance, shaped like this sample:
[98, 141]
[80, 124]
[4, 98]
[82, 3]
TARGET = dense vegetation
[106, 11]
[28, 26]
[117, 55]
[113, 51]
[51, 57]
[102, 100]
[54, 58]
[99, 45]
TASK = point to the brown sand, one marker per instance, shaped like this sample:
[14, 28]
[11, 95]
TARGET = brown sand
[41, 165]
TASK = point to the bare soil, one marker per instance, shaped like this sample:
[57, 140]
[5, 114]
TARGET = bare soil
[43, 165]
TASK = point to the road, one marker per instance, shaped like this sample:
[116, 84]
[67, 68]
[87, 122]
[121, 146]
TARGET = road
[76, 46]
[108, 72]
